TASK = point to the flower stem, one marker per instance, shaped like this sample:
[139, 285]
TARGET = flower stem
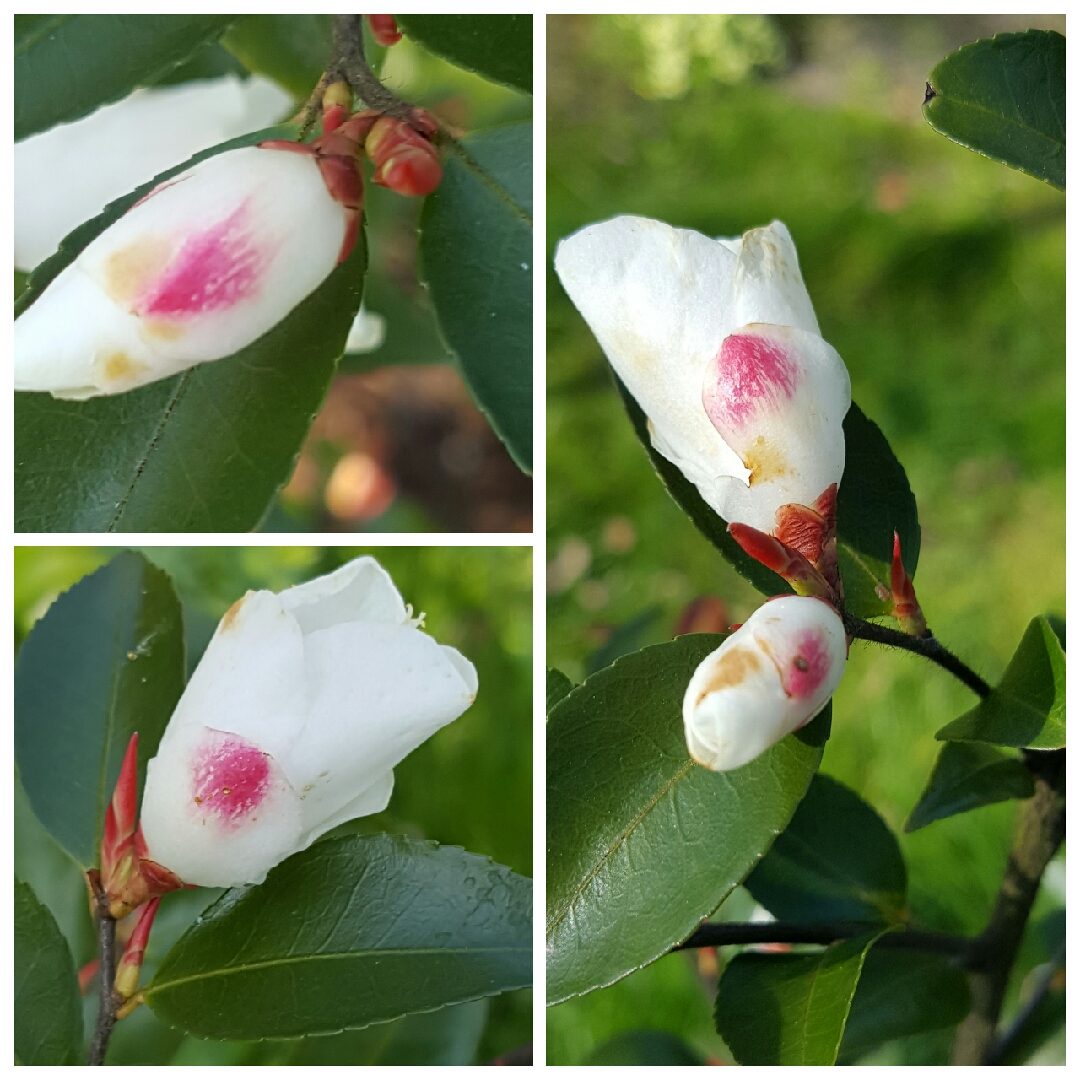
[711, 935]
[108, 1001]
[348, 62]
[927, 647]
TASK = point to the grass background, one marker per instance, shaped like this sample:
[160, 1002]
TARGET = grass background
[939, 276]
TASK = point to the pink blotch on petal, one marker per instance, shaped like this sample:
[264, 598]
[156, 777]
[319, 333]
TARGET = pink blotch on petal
[230, 777]
[215, 269]
[749, 371]
[808, 666]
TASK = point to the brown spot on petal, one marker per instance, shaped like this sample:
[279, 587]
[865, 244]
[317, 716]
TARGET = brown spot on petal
[765, 462]
[732, 668]
[118, 367]
[230, 616]
[129, 270]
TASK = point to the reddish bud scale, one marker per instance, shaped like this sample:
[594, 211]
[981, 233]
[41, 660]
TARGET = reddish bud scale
[405, 160]
[906, 607]
[127, 971]
[384, 29]
[786, 561]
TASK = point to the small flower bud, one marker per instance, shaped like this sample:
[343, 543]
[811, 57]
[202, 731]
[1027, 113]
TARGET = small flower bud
[906, 607]
[127, 971]
[405, 161]
[768, 679]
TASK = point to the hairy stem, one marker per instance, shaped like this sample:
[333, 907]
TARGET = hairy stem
[1040, 830]
[108, 1001]
[927, 647]
[711, 935]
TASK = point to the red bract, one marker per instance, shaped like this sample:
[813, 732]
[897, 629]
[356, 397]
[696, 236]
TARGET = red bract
[906, 607]
[405, 160]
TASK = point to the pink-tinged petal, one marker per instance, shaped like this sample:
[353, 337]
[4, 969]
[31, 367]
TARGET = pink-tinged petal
[229, 778]
[805, 671]
[749, 374]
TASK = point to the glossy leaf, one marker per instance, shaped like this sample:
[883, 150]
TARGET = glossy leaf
[48, 1005]
[642, 843]
[106, 660]
[476, 248]
[902, 992]
[204, 450]
[353, 931]
[293, 50]
[558, 686]
[836, 862]
[66, 66]
[874, 499]
[645, 1048]
[789, 1009]
[1004, 97]
[1027, 708]
[499, 47]
[967, 776]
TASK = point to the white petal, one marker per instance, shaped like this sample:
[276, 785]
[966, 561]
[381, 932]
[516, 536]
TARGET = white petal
[372, 800]
[360, 590]
[217, 811]
[208, 262]
[768, 284]
[774, 674]
[123, 145]
[367, 333]
[378, 692]
[660, 302]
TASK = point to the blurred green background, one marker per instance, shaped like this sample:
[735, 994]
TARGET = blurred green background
[469, 785]
[939, 276]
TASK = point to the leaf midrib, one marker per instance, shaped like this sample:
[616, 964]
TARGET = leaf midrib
[490, 182]
[285, 961]
[558, 917]
[999, 116]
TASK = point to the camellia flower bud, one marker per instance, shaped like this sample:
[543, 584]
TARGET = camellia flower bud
[718, 343]
[384, 29]
[204, 265]
[769, 678]
[293, 722]
[405, 160]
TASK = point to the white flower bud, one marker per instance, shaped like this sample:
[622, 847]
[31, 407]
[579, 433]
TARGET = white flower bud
[768, 679]
[120, 146]
[293, 722]
[718, 343]
[203, 266]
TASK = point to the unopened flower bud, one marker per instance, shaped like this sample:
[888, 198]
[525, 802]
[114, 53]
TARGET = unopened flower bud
[201, 267]
[127, 971]
[293, 722]
[768, 679]
[906, 608]
[405, 160]
[718, 343]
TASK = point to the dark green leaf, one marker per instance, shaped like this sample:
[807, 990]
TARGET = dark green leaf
[68, 65]
[558, 686]
[903, 992]
[789, 1009]
[836, 862]
[1004, 97]
[967, 776]
[645, 1048]
[106, 660]
[202, 451]
[351, 932]
[642, 843]
[293, 50]
[445, 1037]
[1027, 708]
[873, 500]
[476, 247]
[499, 47]
[48, 1005]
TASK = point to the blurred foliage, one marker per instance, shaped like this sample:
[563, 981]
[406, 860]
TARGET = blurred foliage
[939, 276]
[470, 785]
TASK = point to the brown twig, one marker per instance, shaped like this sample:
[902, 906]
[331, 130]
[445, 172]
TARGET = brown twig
[1039, 832]
[347, 61]
[108, 1000]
